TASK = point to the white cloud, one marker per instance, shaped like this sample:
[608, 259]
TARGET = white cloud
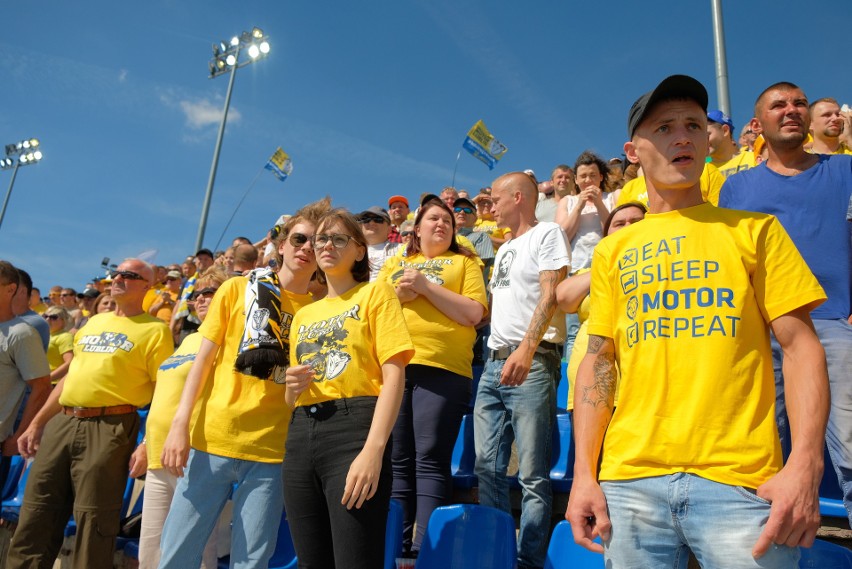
[122, 76]
[203, 112]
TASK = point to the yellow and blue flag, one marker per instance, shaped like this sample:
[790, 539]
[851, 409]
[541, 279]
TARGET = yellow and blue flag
[483, 146]
[280, 164]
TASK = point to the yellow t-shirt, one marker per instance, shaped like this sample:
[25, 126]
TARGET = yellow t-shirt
[116, 360]
[440, 341]
[636, 190]
[347, 339]
[241, 416]
[171, 378]
[686, 297]
[742, 161]
[490, 227]
[581, 345]
[60, 343]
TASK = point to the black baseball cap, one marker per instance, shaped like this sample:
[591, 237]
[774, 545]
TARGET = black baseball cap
[673, 87]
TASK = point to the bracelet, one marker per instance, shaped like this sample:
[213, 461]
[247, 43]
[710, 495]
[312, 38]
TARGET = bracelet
[144, 441]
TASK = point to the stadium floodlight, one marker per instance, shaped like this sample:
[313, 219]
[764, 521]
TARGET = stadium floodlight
[18, 154]
[226, 59]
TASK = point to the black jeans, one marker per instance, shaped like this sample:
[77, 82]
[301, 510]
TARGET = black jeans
[322, 442]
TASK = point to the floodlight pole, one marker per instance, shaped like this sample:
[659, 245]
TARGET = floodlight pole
[721, 59]
[205, 209]
[9, 191]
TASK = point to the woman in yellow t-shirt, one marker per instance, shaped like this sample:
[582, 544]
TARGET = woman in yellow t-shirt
[60, 348]
[573, 293]
[348, 353]
[443, 297]
[160, 484]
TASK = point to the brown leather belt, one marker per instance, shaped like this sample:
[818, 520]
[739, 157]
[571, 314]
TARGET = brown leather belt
[89, 412]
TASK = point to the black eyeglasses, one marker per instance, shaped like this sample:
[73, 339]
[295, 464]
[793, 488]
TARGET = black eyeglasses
[370, 218]
[51, 316]
[206, 293]
[467, 210]
[339, 240]
[406, 234]
[67, 294]
[127, 275]
[297, 240]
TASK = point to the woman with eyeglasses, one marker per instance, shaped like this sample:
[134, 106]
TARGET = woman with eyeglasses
[160, 484]
[345, 382]
[60, 348]
[228, 433]
[442, 291]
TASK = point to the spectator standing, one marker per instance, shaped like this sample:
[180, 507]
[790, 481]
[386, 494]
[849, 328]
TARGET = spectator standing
[22, 364]
[711, 493]
[828, 127]
[85, 434]
[375, 223]
[398, 210]
[60, 349]
[517, 391]
[442, 292]
[809, 193]
[20, 306]
[231, 423]
[345, 383]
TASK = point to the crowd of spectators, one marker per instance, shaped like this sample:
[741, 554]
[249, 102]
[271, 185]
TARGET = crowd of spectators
[353, 338]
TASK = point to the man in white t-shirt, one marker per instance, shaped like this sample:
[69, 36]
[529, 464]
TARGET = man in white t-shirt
[376, 224]
[517, 391]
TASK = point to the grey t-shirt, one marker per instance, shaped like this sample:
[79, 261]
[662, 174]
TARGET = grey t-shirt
[21, 359]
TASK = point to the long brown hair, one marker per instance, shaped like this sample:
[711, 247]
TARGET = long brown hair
[414, 243]
[360, 269]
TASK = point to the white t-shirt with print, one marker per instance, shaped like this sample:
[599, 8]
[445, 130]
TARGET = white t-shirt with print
[515, 284]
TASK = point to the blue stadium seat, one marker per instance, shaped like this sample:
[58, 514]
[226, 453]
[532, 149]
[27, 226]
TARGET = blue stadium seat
[466, 535]
[563, 553]
[562, 389]
[393, 535]
[464, 456]
[825, 555]
[10, 509]
[10, 486]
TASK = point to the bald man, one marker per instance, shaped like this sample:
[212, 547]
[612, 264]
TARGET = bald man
[245, 258]
[84, 436]
[517, 391]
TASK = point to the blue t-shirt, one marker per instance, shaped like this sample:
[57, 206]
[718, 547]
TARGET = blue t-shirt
[812, 208]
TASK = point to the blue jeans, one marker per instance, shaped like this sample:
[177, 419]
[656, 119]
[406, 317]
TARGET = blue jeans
[656, 521]
[836, 339]
[199, 498]
[572, 326]
[525, 414]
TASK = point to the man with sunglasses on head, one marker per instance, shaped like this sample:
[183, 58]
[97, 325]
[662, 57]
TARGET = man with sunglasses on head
[84, 436]
[376, 224]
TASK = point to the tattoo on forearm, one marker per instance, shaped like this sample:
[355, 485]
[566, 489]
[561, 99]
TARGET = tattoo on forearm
[595, 344]
[546, 305]
[602, 391]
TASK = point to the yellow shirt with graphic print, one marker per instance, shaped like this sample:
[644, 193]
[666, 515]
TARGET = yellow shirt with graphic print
[440, 341]
[687, 296]
[237, 415]
[115, 361]
[347, 339]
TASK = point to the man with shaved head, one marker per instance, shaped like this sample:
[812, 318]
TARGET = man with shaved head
[516, 397]
[245, 258]
[84, 436]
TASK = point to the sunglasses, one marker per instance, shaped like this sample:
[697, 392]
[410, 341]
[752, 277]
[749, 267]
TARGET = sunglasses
[339, 240]
[127, 275]
[406, 234]
[205, 293]
[370, 218]
[66, 294]
[467, 210]
[298, 240]
[51, 316]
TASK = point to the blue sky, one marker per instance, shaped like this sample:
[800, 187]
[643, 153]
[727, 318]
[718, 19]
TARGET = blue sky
[370, 99]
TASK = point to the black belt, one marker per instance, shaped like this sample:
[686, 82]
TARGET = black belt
[506, 351]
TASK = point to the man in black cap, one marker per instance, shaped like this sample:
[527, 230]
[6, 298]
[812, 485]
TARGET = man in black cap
[682, 303]
[376, 225]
